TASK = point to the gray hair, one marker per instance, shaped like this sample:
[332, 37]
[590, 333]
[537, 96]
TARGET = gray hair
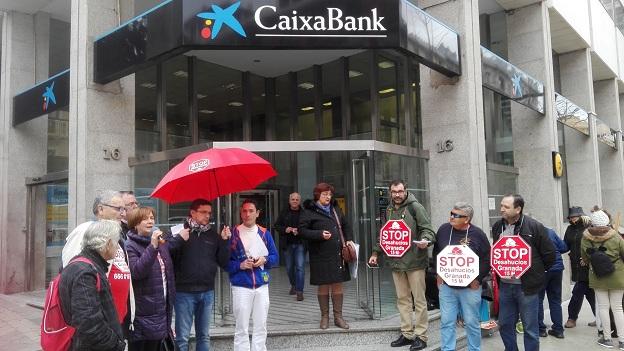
[99, 233]
[104, 197]
[465, 207]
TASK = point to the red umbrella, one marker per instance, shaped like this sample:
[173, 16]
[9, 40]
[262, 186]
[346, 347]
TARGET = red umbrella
[213, 173]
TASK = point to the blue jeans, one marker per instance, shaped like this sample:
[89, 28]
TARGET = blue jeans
[295, 265]
[187, 306]
[451, 302]
[581, 289]
[552, 288]
[513, 301]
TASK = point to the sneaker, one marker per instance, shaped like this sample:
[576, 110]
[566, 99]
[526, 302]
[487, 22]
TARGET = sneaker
[558, 335]
[520, 327]
[608, 343]
[401, 341]
[621, 345]
[571, 323]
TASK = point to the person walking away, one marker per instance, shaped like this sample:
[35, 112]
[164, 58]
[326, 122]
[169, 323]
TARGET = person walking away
[467, 299]
[409, 271]
[552, 287]
[287, 225]
[324, 226]
[602, 250]
[252, 255]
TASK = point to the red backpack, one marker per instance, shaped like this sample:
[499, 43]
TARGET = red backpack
[56, 334]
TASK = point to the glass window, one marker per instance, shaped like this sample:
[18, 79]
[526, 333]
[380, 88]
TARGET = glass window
[565, 197]
[391, 126]
[359, 96]
[282, 107]
[416, 117]
[220, 104]
[258, 115]
[175, 74]
[306, 124]
[147, 129]
[494, 33]
[498, 134]
[331, 102]
[59, 46]
[58, 140]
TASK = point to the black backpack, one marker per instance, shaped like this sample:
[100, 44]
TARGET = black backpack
[601, 264]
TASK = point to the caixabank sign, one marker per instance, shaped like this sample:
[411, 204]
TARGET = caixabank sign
[177, 26]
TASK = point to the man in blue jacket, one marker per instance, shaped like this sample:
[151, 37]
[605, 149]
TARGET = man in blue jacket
[252, 254]
[552, 287]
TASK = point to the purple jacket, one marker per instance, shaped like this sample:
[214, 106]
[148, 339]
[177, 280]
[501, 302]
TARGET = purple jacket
[153, 314]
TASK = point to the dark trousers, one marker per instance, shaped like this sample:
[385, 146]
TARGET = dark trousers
[145, 345]
[581, 290]
[552, 288]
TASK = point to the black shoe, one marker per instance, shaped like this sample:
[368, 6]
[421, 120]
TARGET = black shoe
[543, 333]
[418, 344]
[401, 341]
[557, 335]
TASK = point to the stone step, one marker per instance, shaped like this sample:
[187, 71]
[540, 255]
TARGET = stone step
[366, 335]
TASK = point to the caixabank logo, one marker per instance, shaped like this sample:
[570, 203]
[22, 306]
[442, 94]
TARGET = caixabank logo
[48, 97]
[215, 20]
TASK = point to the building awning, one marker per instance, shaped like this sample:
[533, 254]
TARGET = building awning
[45, 97]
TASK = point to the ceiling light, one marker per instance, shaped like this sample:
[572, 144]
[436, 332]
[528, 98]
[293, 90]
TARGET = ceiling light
[307, 108]
[148, 85]
[327, 104]
[230, 86]
[386, 91]
[181, 125]
[353, 74]
[385, 64]
[206, 111]
[306, 85]
[147, 120]
[180, 74]
[201, 96]
[171, 104]
[235, 104]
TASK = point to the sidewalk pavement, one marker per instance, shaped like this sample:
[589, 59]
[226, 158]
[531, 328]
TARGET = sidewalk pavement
[19, 329]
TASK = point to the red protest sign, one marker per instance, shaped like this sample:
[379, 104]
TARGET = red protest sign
[510, 257]
[395, 238]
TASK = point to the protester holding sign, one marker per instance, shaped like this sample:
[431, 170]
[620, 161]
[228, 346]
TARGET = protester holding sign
[519, 296]
[462, 252]
[408, 269]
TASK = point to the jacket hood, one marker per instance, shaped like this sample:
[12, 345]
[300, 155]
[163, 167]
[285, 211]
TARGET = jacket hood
[599, 234]
[408, 201]
[310, 204]
[143, 240]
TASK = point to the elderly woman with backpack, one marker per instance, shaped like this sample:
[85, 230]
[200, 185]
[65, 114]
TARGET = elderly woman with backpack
[603, 249]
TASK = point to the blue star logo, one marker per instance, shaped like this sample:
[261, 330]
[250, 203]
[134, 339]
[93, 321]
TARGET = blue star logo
[221, 16]
[48, 97]
[517, 87]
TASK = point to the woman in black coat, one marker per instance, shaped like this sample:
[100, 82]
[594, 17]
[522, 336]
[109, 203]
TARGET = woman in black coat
[321, 224]
[153, 283]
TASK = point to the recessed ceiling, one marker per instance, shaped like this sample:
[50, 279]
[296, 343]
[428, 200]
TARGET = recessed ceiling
[600, 70]
[270, 63]
[514, 4]
[58, 9]
[564, 38]
[489, 7]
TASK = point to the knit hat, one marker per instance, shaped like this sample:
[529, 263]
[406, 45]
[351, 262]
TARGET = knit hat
[599, 219]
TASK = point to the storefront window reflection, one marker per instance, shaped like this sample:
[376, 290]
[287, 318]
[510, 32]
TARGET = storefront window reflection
[498, 134]
[220, 104]
[359, 96]
[306, 124]
[391, 125]
[331, 102]
[283, 122]
[147, 137]
[175, 74]
[259, 110]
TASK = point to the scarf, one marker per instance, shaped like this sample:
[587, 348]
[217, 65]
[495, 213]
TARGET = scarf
[325, 209]
[193, 225]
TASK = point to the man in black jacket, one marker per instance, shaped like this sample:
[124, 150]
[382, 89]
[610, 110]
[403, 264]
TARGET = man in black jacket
[196, 261]
[521, 296]
[286, 225]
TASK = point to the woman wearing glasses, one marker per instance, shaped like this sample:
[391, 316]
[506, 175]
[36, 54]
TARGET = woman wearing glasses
[321, 223]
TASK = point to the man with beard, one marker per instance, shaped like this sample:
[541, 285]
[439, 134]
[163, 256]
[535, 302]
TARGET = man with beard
[408, 271]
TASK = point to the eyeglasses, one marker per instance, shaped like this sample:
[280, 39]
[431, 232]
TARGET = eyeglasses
[457, 215]
[132, 204]
[398, 192]
[326, 194]
[116, 208]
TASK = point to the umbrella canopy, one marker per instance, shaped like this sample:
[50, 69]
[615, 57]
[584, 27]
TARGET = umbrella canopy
[213, 173]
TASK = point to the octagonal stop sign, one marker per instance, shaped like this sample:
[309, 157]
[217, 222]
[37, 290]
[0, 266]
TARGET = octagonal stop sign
[510, 257]
[395, 238]
[458, 265]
